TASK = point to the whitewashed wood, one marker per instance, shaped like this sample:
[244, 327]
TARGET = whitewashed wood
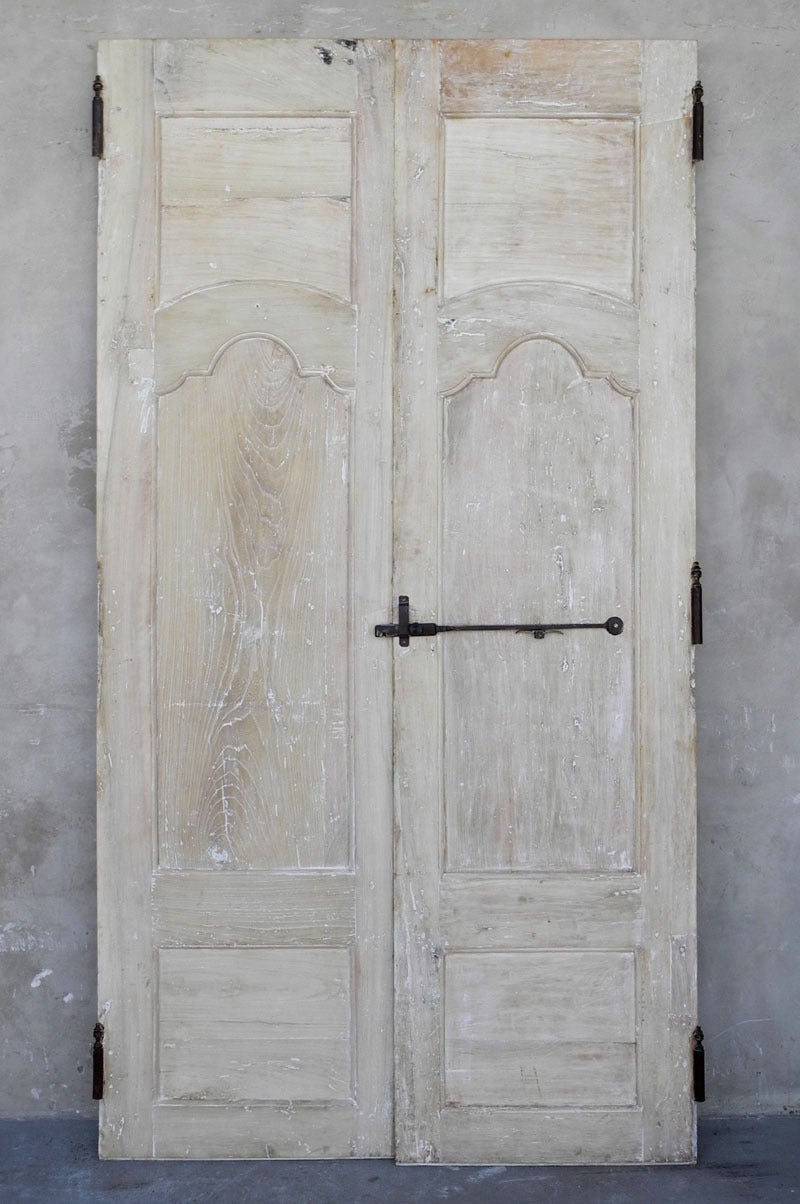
[252, 593]
[555, 911]
[279, 238]
[417, 744]
[206, 909]
[539, 200]
[239, 1024]
[666, 552]
[317, 328]
[437, 913]
[125, 536]
[258, 444]
[537, 514]
[225, 160]
[373, 205]
[550, 1138]
[252, 76]
[541, 78]
[540, 1029]
[477, 331]
[279, 1130]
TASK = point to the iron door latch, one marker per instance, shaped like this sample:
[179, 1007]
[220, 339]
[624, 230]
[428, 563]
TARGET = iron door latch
[404, 629]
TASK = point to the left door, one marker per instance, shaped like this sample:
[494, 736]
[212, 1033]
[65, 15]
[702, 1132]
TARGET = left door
[244, 396]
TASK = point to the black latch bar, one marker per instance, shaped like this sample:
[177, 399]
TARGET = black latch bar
[404, 629]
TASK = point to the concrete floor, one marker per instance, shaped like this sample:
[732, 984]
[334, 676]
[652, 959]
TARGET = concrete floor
[741, 1159]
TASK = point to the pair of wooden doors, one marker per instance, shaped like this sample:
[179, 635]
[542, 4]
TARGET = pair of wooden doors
[381, 319]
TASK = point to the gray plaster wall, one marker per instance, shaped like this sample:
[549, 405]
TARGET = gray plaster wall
[749, 491]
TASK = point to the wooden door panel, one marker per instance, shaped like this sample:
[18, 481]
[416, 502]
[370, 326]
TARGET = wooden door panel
[251, 613]
[537, 524]
[247, 368]
[544, 815]
[538, 199]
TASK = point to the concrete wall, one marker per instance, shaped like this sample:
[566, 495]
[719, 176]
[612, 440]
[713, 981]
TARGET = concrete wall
[748, 469]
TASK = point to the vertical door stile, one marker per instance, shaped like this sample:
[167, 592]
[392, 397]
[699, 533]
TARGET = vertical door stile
[126, 537]
[372, 573]
[417, 737]
[666, 552]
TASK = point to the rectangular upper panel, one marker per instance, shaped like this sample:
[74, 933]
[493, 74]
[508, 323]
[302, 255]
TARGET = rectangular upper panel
[238, 1024]
[555, 76]
[539, 200]
[255, 199]
[252, 76]
[549, 1029]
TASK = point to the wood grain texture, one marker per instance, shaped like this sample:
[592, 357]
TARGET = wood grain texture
[253, 76]
[539, 200]
[306, 239]
[226, 160]
[541, 77]
[597, 473]
[667, 549]
[373, 201]
[206, 909]
[252, 1130]
[540, 1029]
[125, 537]
[479, 1135]
[318, 328]
[537, 526]
[417, 742]
[478, 330]
[255, 1024]
[252, 618]
[520, 911]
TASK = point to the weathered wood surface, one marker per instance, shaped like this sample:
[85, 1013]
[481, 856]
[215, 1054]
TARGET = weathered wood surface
[538, 200]
[126, 271]
[241, 1024]
[417, 722]
[537, 514]
[253, 537]
[536, 496]
[541, 1029]
[527, 209]
[542, 77]
[246, 607]
[666, 552]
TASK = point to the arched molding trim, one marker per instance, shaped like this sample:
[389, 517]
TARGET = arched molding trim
[587, 372]
[322, 373]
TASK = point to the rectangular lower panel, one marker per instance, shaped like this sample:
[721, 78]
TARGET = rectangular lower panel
[193, 1130]
[546, 1029]
[255, 1024]
[506, 1135]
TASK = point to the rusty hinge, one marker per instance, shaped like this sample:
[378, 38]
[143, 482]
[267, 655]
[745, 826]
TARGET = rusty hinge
[97, 118]
[97, 1062]
[697, 122]
[697, 605]
[698, 1066]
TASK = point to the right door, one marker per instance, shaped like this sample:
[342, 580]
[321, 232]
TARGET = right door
[545, 788]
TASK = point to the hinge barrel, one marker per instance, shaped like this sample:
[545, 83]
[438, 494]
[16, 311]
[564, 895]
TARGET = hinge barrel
[698, 1066]
[98, 1071]
[97, 118]
[697, 605]
[697, 122]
